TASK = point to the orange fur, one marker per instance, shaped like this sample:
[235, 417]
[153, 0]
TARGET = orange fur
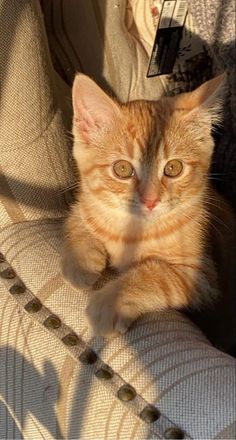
[163, 256]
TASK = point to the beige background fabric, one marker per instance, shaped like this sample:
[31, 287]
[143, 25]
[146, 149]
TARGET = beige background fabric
[92, 37]
[35, 163]
[112, 41]
[44, 392]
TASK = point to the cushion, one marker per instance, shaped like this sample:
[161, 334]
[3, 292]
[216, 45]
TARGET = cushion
[164, 358]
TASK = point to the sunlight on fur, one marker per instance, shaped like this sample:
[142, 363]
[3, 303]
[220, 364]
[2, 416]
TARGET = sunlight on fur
[145, 205]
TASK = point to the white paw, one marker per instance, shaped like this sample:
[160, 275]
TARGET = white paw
[108, 313]
[82, 272]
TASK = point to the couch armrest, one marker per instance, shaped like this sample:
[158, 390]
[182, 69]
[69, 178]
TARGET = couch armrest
[164, 357]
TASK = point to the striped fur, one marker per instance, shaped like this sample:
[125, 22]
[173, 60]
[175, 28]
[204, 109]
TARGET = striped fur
[163, 255]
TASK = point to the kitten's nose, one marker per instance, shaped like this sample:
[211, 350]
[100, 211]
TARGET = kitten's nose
[149, 203]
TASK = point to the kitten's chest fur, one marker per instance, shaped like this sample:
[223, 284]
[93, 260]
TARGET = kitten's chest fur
[122, 254]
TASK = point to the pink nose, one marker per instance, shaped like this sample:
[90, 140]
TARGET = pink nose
[149, 203]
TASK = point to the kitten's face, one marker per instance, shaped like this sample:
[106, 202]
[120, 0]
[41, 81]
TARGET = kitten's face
[144, 158]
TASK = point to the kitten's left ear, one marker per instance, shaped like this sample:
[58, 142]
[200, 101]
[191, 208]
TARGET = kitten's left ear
[205, 101]
[94, 111]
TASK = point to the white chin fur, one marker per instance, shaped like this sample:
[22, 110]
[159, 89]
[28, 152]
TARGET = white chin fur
[144, 213]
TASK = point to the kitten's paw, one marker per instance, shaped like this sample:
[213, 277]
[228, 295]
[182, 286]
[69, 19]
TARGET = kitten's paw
[78, 277]
[108, 313]
[84, 270]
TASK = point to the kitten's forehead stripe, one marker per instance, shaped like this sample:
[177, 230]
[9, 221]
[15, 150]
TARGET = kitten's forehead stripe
[93, 168]
[139, 143]
[98, 190]
[146, 132]
[128, 148]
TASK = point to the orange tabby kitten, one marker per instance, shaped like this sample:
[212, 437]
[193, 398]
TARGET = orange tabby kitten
[144, 204]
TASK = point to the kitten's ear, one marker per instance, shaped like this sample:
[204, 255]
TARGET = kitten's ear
[94, 111]
[205, 101]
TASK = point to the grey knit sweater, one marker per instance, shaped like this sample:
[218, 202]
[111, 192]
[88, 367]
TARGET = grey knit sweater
[215, 20]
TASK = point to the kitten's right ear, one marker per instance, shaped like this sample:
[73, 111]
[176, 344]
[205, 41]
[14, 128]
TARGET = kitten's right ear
[94, 111]
[205, 102]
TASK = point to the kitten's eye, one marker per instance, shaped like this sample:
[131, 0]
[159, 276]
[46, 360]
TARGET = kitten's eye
[173, 168]
[123, 169]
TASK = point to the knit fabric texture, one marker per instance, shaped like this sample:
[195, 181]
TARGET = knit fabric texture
[215, 20]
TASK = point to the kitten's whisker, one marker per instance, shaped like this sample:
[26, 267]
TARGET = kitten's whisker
[210, 215]
[69, 132]
[69, 188]
[215, 178]
[219, 174]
